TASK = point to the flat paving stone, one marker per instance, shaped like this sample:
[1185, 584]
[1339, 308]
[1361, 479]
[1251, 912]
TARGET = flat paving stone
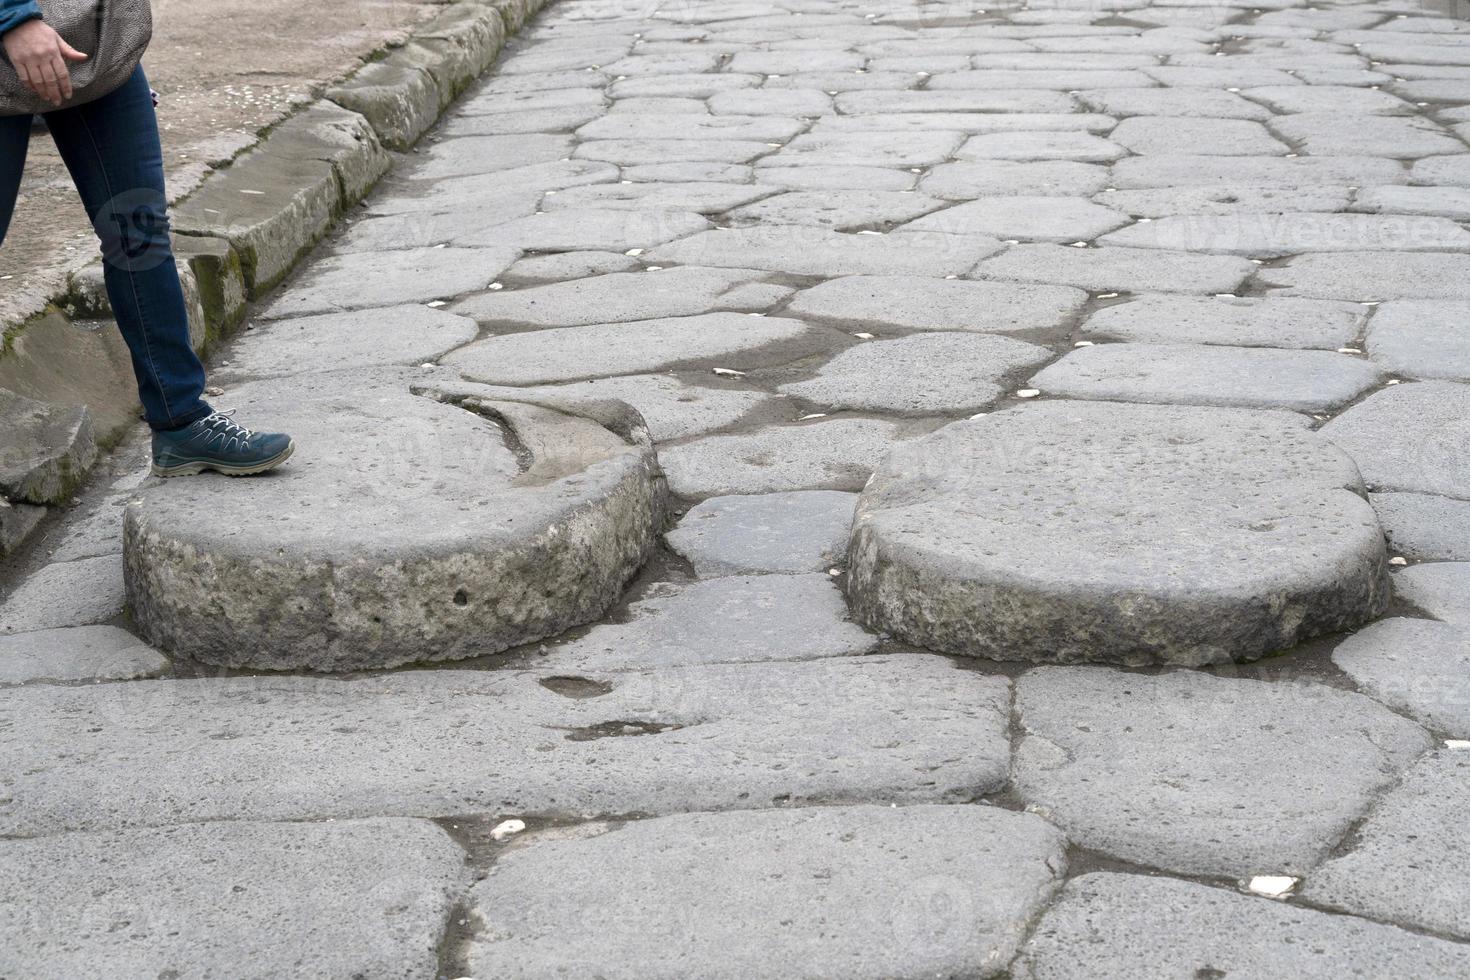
[1359, 134]
[339, 341]
[922, 303]
[931, 100]
[684, 291]
[363, 280]
[1214, 534]
[483, 191]
[844, 210]
[921, 374]
[918, 891]
[831, 455]
[1424, 527]
[1408, 863]
[79, 653]
[1415, 666]
[891, 729]
[1269, 236]
[1233, 321]
[780, 102]
[735, 619]
[681, 126]
[834, 82]
[1025, 218]
[45, 449]
[561, 119]
[768, 533]
[1173, 102]
[1199, 374]
[692, 85]
[1422, 339]
[589, 229]
[1225, 199]
[1116, 926]
[561, 266]
[1198, 774]
[1117, 268]
[486, 154]
[1194, 170]
[802, 251]
[248, 900]
[1373, 276]
[1445, 202]
[967, 181]
[635, 347]
[384, 545]
[67, 593]
[630, 152]
[868, 150]
[1021, 147]
[829, 178]
[1410, 437]
[1328, 98]
[423, 230]
[1059, 80]
[699, 197]
[1441, 589]
[973, 123]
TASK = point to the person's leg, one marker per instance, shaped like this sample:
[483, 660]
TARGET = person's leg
[112, 149]
[15, 137]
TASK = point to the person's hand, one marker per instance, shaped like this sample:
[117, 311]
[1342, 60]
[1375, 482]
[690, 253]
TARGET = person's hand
[40, 56]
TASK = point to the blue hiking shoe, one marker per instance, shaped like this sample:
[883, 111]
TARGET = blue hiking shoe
[217, 443]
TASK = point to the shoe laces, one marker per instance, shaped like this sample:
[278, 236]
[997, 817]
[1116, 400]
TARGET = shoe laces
[223, 425]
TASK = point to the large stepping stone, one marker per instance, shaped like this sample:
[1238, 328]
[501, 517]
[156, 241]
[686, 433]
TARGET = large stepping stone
[1199, 774]
[1422, 339]
[360, 898]
[406, 529]
[1411, 437]
[1121, 927]
[1416, 666]
[801, 251]
[45, 450]
[921, 374]
[1196, 374]
[783, 533]
[1442, 589]
[1210, 535]
[922, 303]
[1232, 321]
[1410, 860]
[871, 892]
[637, 346]
[898, 729]
[80, 653]
[838, 454]
[739, 619]
[685, 291]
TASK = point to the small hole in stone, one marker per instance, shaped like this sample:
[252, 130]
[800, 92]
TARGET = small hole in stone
[461, 598]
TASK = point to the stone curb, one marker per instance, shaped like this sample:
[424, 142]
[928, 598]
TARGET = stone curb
[247, 225]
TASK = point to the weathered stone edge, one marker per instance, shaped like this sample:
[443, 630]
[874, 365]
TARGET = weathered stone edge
[330, 154]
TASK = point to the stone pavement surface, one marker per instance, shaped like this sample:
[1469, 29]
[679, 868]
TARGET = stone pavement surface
[813, 488]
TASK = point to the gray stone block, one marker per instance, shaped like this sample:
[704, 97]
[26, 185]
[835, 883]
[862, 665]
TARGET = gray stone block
[1212, 534]
[819, 177]
[418, 230]
[70, 593]
[45, 450]
[1373, 276]
[1024, 218]
[803, 102]
[564, 119]
[802, 251]
[1350, 134]
[1445, 202]
[918, 149]
[588, 229]
[1185, 170]
[904, 729]
[1410, 438]
[693, 86]
[635, 347]
[765, 128]
[921, 374]
[923, 303]
[247, 900]
[562, 266]
[920, 891]
[831, 455]
[1415, 666]
[1408, 862]
[632, 152]
[1117, 927]
[1329, 98]
[17, 523]
[1197, 374]
[493, 191]
[1022, 147]
[1231, 321]
[79, 653]
[1441, 589]
[783, 533]
[487, 154]
[400, 99]
[683, 291]
[1225, 199]
[737, 619]
[394, 335]
[1174, 102]
[968, 122]
[834, 82]
[1422, 339]
[409, 530]
[1060, 80]
[1169, 770]
[1118, 269]
[1269, 236]
[360, 280]
[1424, 527]
[699, 197]
[967, 181]
[841, 210]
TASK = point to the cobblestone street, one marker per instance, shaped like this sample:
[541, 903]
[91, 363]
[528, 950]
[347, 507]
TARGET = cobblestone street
[1037, 546]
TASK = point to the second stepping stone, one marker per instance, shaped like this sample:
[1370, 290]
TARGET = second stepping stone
[1117, 533]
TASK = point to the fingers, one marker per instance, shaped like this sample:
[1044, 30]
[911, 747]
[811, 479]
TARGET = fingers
[50, 88]
[70, 53]
[63, 76]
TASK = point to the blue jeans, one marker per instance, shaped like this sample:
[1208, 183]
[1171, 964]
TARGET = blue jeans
[111, 148]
